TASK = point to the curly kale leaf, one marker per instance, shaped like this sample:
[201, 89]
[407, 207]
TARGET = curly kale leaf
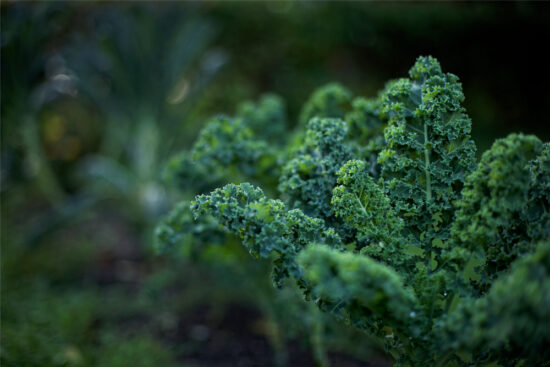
[179, 229]
[266, 118]
[366, 130]
[330, 101]
[182, 172]
[537, 212]
[494, 208]
[359, 290]
[307, 180]
[365, 121]
[364, 206]
[510, 323]
[428, 150]
[265, 225]
[363, 116]
[226, 143]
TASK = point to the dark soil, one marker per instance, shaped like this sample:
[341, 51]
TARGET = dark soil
[235, 341]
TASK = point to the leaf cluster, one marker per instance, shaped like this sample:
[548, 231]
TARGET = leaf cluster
[385, 219]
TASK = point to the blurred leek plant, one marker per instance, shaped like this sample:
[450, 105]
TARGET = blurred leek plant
[136, 69]
[143, 67]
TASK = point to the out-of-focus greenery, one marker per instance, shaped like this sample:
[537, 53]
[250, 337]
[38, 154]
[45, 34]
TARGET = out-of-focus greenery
[96, 96]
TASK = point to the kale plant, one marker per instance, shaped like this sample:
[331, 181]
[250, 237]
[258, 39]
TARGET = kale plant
[384, 219]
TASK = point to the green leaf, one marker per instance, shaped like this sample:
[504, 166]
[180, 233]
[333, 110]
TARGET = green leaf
[428, 151]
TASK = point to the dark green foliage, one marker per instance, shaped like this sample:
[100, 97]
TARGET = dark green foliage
[187, 175]
[537, 213]
[357, 288]
[226, 142]
[502, 212]
[267, 117]
[366, 125]
[510, 323]
[264, 225]
[308, 178]
[332, 100]
[416, 246]
[180, 230]
[365, 121]
[429, 151]
[233, 148]
[362, 204]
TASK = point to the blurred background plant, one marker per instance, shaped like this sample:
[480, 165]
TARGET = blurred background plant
[96, 97]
